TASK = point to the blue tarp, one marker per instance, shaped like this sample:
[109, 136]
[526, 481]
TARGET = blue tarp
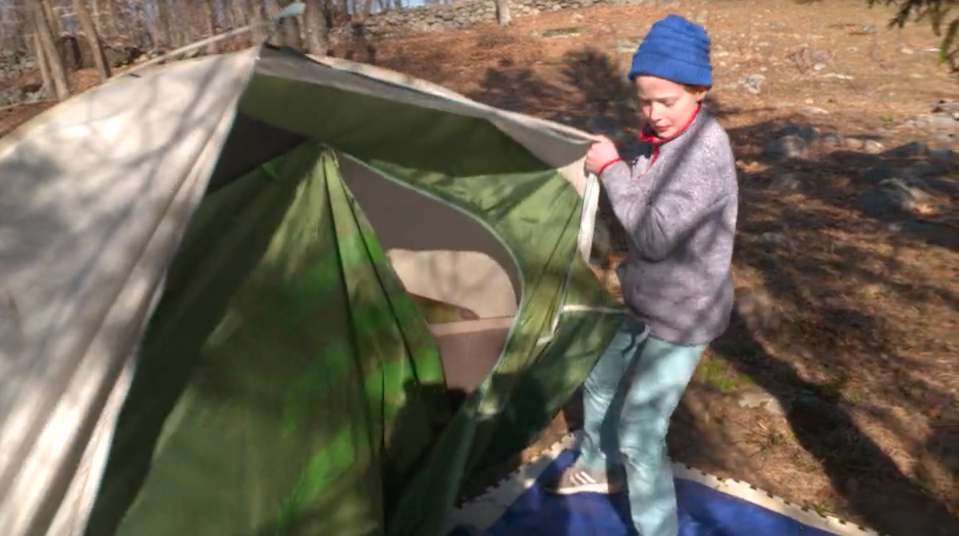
[703, 511]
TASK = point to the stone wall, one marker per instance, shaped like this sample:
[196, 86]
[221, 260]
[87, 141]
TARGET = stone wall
[462, 14]
[18, 95]
[13, 66]
[465, 14]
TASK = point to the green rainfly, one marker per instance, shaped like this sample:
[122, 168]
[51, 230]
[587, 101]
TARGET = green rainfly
[289, 386]
[275, 371]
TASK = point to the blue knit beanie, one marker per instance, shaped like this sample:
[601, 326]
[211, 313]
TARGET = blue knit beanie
[676, 50]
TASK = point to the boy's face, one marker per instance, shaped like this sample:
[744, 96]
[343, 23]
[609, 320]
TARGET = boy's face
[666, 106]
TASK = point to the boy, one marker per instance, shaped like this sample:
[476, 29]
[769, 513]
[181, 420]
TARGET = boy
[678, 203]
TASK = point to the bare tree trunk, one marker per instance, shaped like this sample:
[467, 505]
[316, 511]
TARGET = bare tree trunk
[107, 21]
[96, 14]
[93, 38]
[191, 21]
[26, 25]
[53, 20]
[15, 34]
[242, 13]
[290, 30]
[271, 7]
[502, 13]
[48, 48]
[209, 14]
[314, 21]
[47, 88]
[5, 34]
[176, 30]
[17, 38]
[118, 24]
[267, 8]
[161, 30]
[134, 24]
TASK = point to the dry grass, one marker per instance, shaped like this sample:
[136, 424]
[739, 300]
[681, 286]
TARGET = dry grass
[852, 324]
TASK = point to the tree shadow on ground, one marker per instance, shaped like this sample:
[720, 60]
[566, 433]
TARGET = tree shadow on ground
[869, 482]
[852, 276]
[816, 293]
[911, 188]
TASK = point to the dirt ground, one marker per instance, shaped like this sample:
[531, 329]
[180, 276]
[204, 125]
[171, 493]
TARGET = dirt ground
[836, 385]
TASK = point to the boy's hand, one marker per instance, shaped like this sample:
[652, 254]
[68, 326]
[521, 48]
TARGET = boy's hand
[602, 152]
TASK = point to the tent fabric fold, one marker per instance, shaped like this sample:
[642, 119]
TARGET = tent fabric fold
[95, 197]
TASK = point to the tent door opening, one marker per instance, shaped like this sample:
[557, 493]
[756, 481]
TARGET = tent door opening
[462, 278]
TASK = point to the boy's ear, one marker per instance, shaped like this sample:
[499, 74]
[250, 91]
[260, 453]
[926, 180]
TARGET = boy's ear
[700, 95]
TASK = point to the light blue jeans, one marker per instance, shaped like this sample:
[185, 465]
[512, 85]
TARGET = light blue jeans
[628, 399]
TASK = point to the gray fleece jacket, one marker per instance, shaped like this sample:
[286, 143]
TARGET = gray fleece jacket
[678, 202]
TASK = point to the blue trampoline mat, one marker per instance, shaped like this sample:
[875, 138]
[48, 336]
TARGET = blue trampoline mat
[703, 511]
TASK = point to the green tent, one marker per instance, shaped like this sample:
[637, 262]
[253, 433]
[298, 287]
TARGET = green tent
[268, 294]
